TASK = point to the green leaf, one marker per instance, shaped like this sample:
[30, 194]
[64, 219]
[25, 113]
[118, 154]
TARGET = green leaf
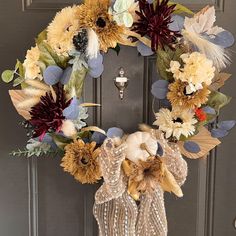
[49, 57]
[76, 82]
[20, 68]
[218, 100]
[164, 57]
[181, 9]
[7, 76]
[41, 36]
[60, 141]
[117, 49]
[18, 81]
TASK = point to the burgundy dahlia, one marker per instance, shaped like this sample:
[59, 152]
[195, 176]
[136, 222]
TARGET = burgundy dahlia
[154, 23]
[47, 115]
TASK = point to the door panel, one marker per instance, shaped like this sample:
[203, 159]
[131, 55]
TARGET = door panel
[38, 199]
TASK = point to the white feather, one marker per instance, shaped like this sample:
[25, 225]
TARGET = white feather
[34, 92]
[37, 84]
[93, 44]
[28, 103]
[212, 51]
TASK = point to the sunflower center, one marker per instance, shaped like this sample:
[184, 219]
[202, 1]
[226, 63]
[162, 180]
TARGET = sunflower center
[178, 120]
[84, 160]
[101, 22]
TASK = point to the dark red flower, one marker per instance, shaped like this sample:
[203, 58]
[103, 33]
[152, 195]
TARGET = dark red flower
[47, 115]
[154, 23]
[200, 114]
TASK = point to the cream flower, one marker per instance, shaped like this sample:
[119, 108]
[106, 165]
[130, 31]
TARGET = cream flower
[175, 123]
[31, 64]
[197, 70]
[61, 31]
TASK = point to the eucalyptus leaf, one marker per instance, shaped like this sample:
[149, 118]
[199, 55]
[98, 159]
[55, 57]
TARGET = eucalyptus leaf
[72, 111]
[224, 39]
[144, 50]
[96, 72]
[177, 23]
[7, 76]
[18, 81]
[226, 125]
[41, 36]
[160, 89]
[60, 140]
[192, 147]
[219, 133]
[98, 138]
[52, 75]
[209, 110]
[160, 150]
[96, 61]
[66, 75]
[115, 132]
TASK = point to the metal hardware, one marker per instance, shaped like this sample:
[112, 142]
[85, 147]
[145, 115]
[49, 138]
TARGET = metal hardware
[121, 82]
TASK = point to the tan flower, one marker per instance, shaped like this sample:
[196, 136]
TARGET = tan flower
[179, 98]
[62, 29]
[95, 15]
[144, 176]
[81, 161]
[31, 64]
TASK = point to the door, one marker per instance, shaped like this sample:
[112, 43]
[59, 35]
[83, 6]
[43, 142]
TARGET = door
[38, 199]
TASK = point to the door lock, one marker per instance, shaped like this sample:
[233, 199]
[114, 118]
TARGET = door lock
[121, 82]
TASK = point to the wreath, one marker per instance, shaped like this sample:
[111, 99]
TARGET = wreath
[191, 55]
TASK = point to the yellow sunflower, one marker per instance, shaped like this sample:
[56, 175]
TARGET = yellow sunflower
[95, 15]
[62, 29]
[179, 98]
[81, 161]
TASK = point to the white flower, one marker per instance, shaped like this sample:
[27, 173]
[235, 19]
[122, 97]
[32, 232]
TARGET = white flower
[197, 70]
[175, 123]
[32, 64]
[68, 128]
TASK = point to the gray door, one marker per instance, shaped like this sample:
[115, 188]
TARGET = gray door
[38, 199]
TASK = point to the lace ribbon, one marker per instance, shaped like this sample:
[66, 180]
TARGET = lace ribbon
[116, 212]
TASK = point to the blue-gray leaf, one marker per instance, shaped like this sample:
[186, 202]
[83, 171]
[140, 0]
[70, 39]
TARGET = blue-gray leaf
[160, 89]
[192, 147]
[224, 39]
[98, 138]
[226, 125]
[209, 110]
[219, 133]
[160, 150]
[177, 23]
[72, 111]
[144, 50]
[96, 72]
[66, 75]
[52, 75]
[115, 132]
[95, 62]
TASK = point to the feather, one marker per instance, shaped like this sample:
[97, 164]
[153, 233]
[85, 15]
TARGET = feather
[93, 44]
[28, 103]
[37, 84]
[34, 92]
[217, 54]
[17, 96]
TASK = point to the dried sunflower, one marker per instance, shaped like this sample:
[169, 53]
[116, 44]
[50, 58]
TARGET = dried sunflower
[95, 15]
[81, 161]
[179, 97]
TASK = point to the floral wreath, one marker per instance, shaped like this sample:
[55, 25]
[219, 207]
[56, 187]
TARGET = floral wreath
[191, 54]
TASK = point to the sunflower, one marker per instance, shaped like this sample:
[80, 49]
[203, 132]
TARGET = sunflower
[94, 14]
[81, 161]
[62, 29]
[180, 98]
[31, 64]
[154, 22]
[175, 123]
